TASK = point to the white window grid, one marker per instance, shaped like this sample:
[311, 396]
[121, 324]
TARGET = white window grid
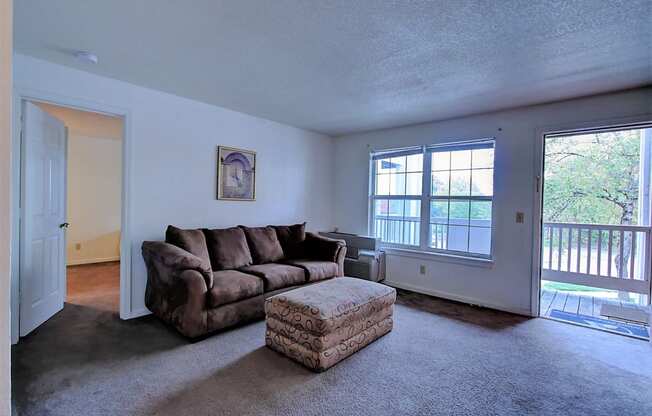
[426, 197]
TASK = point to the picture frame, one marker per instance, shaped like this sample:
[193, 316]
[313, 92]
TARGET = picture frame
[236, 174]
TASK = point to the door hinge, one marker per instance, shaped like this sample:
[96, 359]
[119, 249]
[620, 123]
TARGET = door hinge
[538, 178]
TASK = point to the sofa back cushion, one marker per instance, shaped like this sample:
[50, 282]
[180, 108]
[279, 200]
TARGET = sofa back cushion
[292, 238]
[228, 248]
[192, 241]
[263, 244]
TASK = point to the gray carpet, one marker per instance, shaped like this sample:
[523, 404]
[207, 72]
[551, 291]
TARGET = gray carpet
[441, 358]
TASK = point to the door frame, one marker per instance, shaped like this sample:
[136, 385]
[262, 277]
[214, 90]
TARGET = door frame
[26, 94]
[537, 212]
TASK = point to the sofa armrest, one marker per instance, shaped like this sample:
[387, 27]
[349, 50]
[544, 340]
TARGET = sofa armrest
[190, 316]
[171, 261]
[177, 287]
[324, 248]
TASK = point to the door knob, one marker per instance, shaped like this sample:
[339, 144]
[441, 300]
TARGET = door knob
[64, 225]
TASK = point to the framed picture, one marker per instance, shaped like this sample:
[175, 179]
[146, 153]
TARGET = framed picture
[236, 174]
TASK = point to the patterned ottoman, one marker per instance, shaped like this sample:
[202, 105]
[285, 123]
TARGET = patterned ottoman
[322, 324]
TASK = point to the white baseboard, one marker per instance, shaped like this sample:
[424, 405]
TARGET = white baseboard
[91, 261]
[137, 314]
[457, 298]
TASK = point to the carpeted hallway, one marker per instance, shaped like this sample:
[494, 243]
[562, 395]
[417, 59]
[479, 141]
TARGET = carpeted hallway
[441, 358]
[95, 285]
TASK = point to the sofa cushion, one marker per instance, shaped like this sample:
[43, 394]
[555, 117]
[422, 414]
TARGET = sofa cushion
[277, 276]
[263, 244]
[192, 241]
[292, 239]
[232, 286]
[227, 248]
[316, 270]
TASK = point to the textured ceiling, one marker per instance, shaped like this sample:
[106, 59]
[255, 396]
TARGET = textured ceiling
[339, 66]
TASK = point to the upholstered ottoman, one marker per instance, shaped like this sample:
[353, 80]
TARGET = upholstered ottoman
[322, 324]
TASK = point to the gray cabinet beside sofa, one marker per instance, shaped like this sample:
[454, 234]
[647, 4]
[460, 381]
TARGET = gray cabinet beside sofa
[200, 281]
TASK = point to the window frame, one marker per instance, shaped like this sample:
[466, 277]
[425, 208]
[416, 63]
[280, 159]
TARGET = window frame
[372, 189]
[426, 196]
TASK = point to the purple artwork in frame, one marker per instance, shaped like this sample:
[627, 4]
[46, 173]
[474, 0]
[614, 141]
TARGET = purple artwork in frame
[236, 174]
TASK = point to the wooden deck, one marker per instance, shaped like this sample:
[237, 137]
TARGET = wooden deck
[571, 302]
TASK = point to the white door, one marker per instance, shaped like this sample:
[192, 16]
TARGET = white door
[43, 218]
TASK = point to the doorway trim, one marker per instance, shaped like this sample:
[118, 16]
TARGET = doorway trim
[537, 217]
[27, 94]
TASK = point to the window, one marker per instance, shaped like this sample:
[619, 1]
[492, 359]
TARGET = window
[398, 187]
[448, 209]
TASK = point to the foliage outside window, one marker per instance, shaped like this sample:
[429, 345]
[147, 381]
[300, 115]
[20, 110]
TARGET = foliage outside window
[593, 178]
[436, 198]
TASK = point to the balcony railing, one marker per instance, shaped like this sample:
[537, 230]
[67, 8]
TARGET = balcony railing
[401, 230]
[614, 257]
[454, 236]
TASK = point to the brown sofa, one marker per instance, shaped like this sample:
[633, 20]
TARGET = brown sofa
[201, 281]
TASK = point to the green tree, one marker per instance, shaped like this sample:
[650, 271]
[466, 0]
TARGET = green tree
[593, 178]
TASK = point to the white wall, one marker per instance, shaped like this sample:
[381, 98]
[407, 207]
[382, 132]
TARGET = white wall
[507, 283]
[6, 45]
[172, 142]
[94, 184]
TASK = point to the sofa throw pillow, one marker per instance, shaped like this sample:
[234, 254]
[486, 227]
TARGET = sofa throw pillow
[292, 239]
[227, 248]
[193, 241]
[263, 244]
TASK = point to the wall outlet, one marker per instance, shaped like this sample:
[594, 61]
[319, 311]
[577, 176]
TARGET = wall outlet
[422, 269]
[520, 217]
[78, 246]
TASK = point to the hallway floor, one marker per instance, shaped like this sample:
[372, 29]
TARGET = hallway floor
[96, 285]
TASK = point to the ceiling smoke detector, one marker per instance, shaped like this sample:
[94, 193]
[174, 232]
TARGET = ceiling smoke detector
[85, 56]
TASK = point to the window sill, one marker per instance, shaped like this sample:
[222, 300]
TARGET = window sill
[447, 258]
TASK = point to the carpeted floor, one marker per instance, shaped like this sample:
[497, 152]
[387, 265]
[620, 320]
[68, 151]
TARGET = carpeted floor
[442, 358]
[95, 285]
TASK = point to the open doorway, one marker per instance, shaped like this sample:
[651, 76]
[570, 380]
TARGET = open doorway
[71, 211]
[596, 230]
